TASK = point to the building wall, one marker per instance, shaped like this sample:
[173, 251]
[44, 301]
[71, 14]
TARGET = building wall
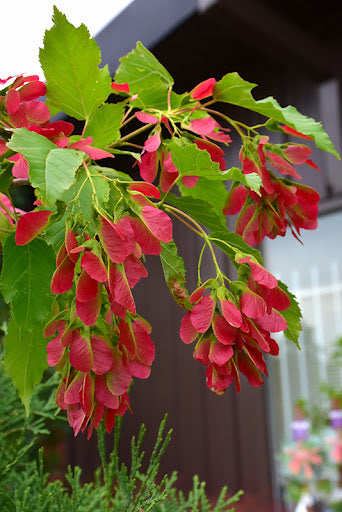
[225, 440]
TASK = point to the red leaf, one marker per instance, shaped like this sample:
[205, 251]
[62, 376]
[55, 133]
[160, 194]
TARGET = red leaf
[54, 351]
[120, 87]
[203, 89]
[231, 313]
[152, 143]
[86, 287]
[127, 337]
[20, 168]
[218, 382]
[201, 352]
[60, 395]
[146, 118]
[202, 313]
[87, 394]
[282, 165]
[118, 239]
[275, 297]
[32, 90]
[145, 188]
[169, 173]
[273, 321]
[158, 222]
[94, 153]
[94, 266]
[204, 126]
[61, 255]
[215, 152]
[148, 166]
[235, 200]
[257, 336]
[97, 414]
[109, 419]
[12, 101]
[76, 417]
[63, 277]
[119, 288]
[89, 311]
[256, 357]
[102, 355]
[71, 244]
[189, 181]
[249, 370]
[36, 111]
[80, 355]
[259, 273]
[103, 394]
[223, 331]
[188, 333]
[143, 236]
[297, 154]
[72, 392]
[134, 270]
[139, 369]
[145, 346]
[30, 225]
[292, 131]
[197, 294]
[219, 354]
[252, 305]
[117, 309]
[119, 377]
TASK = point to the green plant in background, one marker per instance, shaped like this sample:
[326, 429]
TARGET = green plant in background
[25, 486]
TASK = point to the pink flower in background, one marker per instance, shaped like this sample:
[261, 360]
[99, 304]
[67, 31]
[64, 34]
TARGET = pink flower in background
[302, 459]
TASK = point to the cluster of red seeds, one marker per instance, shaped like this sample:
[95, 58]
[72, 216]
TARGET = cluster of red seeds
[233, 331]
[98, 361]
[282, 203]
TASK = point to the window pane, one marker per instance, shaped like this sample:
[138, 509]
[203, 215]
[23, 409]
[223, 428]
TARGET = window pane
[313, 272]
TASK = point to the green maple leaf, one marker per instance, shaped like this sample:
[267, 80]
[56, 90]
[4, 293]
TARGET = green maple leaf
[70, 60]
[174, 273]
[233, 89]
[146, 76]
[25, 284]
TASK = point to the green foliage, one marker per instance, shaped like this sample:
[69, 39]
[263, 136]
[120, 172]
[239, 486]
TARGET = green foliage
[174, 272]
[104, 124]
[293, 317]
[25, 485]
[19, 431]
[233, 89]
[25, 284]
[6, 177]
[61, 165]
[213, 192]
[199, 210]
[145, 76]
[51, 169]
[191, 161]
[88, 185]
[70, 60]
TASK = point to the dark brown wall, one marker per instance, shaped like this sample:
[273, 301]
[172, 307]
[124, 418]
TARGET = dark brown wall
[225, 440]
